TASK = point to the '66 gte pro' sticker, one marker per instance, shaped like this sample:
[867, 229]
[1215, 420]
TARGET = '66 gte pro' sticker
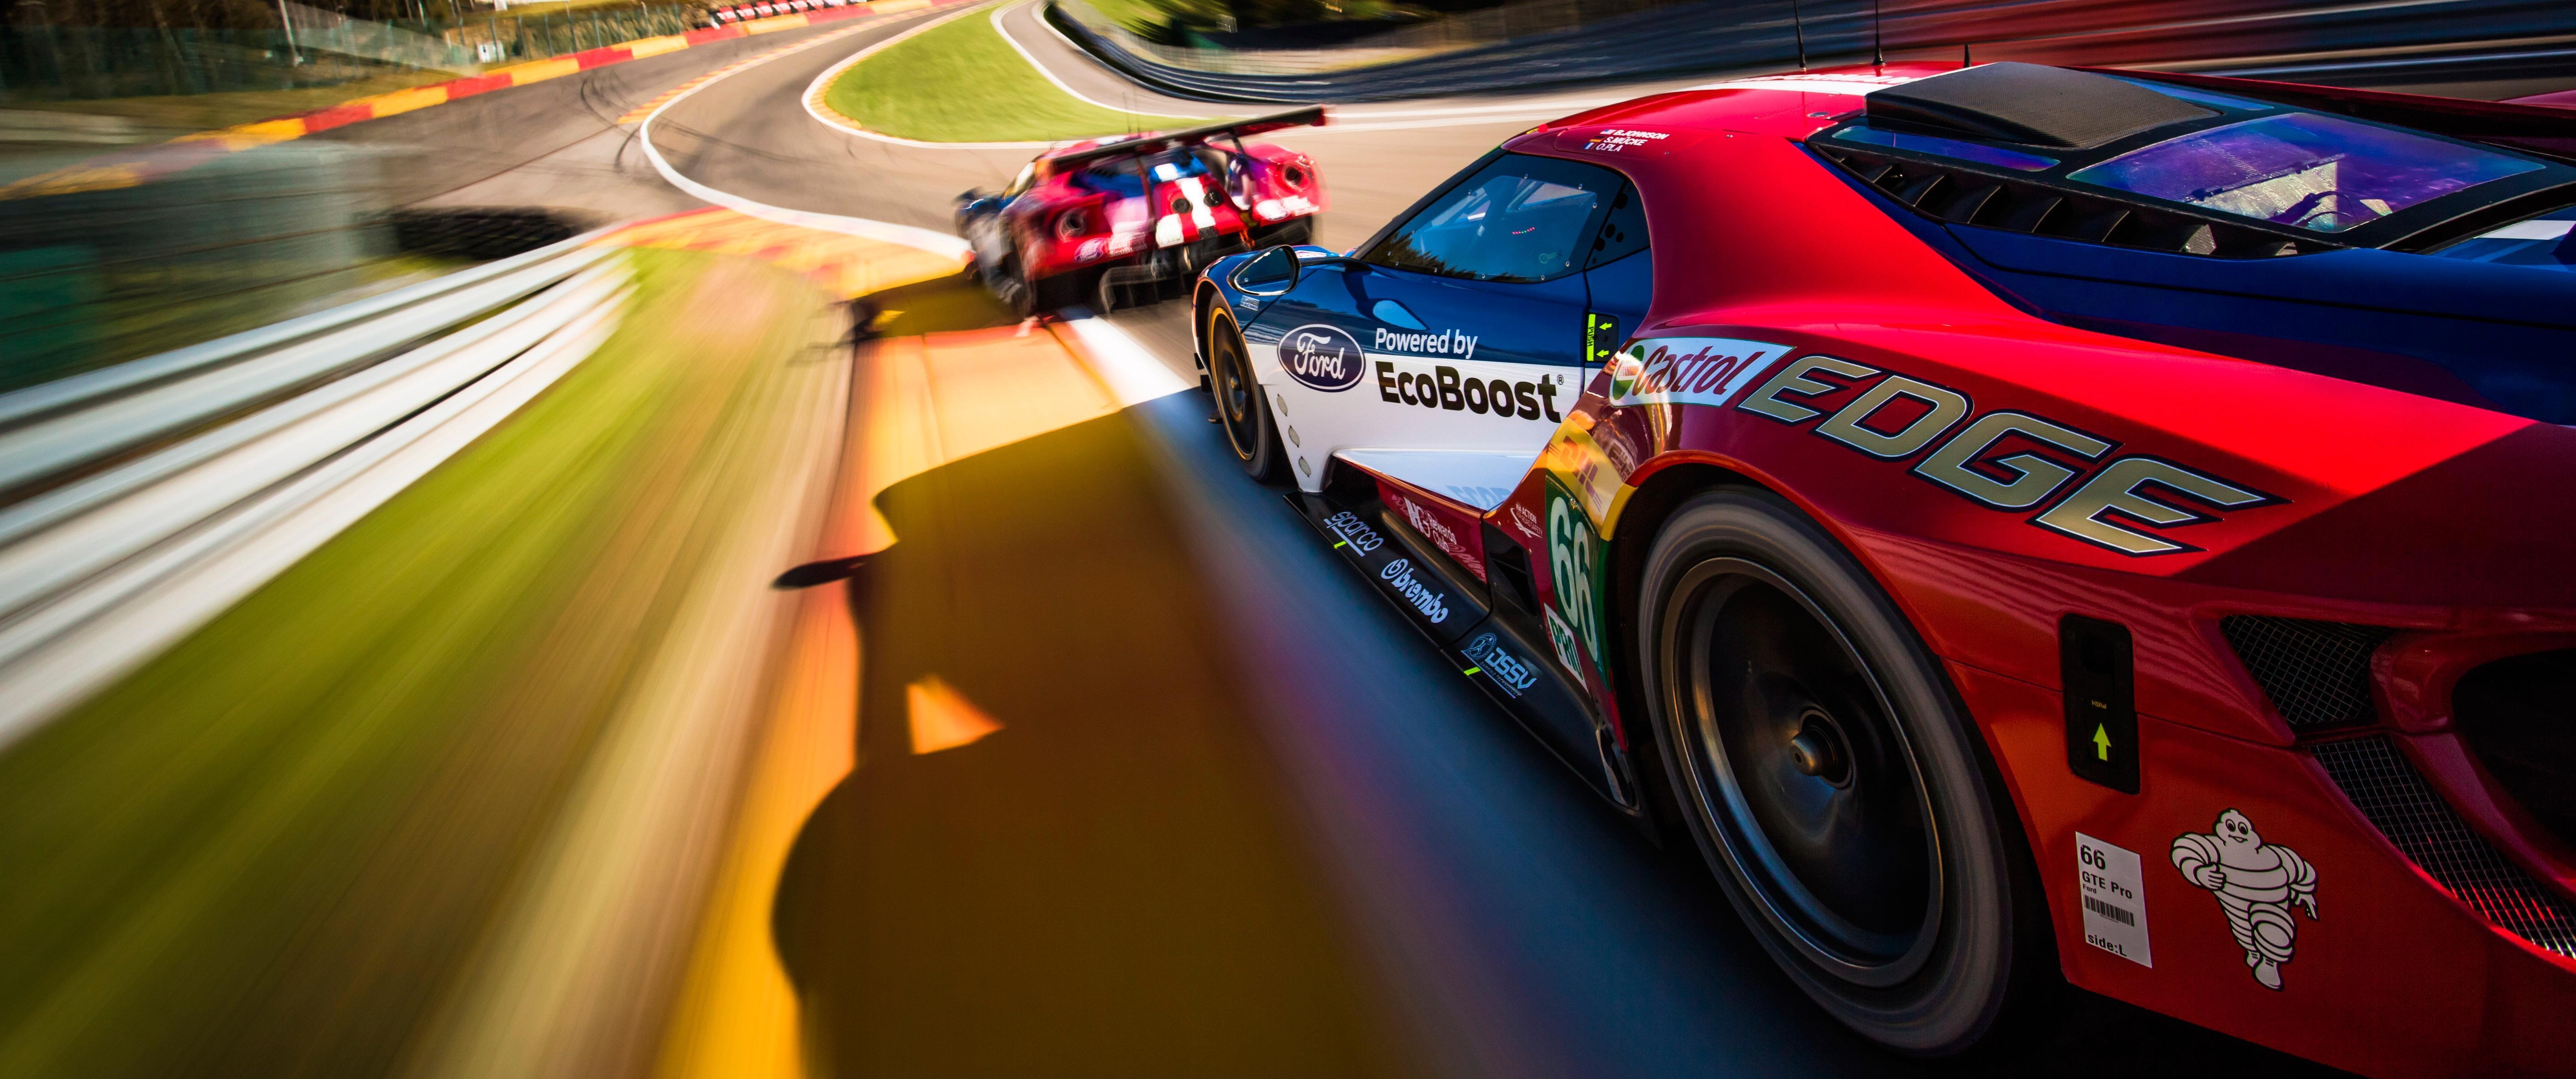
[2115, 899]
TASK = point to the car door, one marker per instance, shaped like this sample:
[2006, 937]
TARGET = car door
[1468, 320]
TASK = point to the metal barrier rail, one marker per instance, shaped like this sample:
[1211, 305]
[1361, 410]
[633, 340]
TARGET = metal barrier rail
[268, 443]
[2359, 41]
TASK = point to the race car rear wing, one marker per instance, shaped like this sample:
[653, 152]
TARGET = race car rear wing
[1311, 115]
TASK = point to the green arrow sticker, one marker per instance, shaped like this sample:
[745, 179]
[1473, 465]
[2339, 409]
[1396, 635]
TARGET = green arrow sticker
[2101, 742]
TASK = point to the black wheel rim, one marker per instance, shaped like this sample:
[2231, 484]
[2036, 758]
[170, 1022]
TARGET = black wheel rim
[1799, 772]
[1236, 391]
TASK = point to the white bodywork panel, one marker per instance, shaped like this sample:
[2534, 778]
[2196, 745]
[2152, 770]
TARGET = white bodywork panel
[1372, 418]
[1478, 478]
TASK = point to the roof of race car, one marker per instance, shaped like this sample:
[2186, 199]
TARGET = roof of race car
[2133, 212]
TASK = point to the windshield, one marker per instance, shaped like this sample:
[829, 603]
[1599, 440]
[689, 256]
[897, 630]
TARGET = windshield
[2321, 173]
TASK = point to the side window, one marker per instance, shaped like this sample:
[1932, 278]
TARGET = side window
[1519, 219]
[1623, 230]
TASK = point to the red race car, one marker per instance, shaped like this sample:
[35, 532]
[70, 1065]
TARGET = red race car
[1123, 221]
[2021, 522]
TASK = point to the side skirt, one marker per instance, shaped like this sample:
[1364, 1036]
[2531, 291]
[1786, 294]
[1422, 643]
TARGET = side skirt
[1490, 645]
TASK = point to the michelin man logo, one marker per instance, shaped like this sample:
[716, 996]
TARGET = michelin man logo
[2256, 884]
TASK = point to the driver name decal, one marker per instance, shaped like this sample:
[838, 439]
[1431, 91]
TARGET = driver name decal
[1322, 356]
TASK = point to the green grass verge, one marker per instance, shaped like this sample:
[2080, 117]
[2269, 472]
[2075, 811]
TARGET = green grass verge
[960, 82]
[1152, 16]
[272, 850]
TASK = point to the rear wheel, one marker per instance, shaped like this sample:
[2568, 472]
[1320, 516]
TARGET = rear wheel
[1010, 284]
[1833, 786]
[1242, 406]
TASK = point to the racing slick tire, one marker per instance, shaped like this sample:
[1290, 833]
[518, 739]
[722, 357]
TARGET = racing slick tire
[1012, 288]
[1027, 299]
[1242, 407]
[1833, 784]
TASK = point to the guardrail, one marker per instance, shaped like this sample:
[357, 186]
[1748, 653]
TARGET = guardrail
[2390, 41]
[143, 499]
[1398, 43]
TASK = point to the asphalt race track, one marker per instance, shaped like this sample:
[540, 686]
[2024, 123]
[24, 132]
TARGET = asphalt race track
[1239, 819]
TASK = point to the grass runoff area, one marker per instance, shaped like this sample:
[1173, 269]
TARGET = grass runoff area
[960, 82]
[278, 846]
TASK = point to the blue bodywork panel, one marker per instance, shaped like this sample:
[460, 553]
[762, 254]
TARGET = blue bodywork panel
[2498, 333]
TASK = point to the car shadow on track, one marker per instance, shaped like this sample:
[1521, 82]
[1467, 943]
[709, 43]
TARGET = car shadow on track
[1063, 851]
[1103, 880]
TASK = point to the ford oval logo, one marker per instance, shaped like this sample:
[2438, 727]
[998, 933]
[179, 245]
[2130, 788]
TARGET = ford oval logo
[1321, 356]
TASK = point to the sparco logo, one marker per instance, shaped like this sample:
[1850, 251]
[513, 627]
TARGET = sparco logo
[1321, 356]
[1399, 575]
[1361, 537]
[1508, 671]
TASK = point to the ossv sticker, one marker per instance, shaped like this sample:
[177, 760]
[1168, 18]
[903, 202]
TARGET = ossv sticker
[2115, 899]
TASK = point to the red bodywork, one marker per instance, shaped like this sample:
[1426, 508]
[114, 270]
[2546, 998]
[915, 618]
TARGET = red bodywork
[2385, 508]
[1076, 207]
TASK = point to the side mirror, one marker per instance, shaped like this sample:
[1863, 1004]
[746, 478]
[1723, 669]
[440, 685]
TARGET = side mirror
[1270, 273]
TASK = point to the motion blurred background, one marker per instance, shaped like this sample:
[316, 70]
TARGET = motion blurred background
[406, 405]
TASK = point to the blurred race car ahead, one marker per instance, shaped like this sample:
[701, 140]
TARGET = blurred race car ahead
[1114, 222]
[2023, 523]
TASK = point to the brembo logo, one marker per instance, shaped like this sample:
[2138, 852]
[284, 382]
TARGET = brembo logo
[1398, 575]
[1321, 356]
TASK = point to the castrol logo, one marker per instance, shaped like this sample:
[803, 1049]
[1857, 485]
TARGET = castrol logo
[1321, 356]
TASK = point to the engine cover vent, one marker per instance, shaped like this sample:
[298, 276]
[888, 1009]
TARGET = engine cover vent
[2316, 673]
[2030, 104]
[1965, 196]
[2384, 785]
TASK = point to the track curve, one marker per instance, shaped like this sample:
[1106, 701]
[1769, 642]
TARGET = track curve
[1506, 922]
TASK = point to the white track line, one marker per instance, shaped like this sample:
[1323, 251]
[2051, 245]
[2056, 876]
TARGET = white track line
[938, 243]
[1129, 368]
[1077, 95]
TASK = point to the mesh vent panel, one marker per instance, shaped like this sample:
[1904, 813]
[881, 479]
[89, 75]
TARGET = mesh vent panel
[2388, 790]
[2316, 673]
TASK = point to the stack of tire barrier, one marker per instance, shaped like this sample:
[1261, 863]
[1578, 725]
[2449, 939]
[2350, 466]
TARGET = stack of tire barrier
[480, 234]
[2326, 41]
[95, 276]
